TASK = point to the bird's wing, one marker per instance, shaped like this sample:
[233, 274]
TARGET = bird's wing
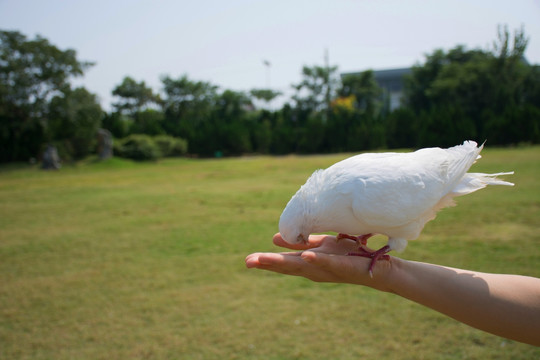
[396, 189]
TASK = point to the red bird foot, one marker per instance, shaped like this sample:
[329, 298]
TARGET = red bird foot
[374, 255]
[360, 240]
[364, 251]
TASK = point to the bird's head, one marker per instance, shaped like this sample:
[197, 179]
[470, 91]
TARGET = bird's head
[294, 221]
[299, 219]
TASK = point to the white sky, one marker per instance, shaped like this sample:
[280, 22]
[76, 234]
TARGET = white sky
[225, 41]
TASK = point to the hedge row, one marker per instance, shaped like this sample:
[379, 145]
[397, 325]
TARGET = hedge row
[145, 147]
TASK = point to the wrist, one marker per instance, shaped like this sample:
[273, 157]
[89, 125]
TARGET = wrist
[386, 275]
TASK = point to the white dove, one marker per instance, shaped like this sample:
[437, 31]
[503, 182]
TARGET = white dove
[393, 194]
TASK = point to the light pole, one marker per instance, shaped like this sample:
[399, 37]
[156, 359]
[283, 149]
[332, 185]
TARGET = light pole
[267, 64]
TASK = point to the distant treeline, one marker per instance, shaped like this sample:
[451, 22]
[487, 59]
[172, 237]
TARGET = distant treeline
[454, 95]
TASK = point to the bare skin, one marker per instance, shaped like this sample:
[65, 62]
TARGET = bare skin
[504, 305]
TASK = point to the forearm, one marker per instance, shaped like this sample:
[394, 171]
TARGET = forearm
[505, 305]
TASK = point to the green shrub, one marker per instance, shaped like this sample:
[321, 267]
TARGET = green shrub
[171, 146]
[138, 147]
[144, 147]
[117, 147]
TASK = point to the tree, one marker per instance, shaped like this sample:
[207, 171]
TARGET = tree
[501, 47]
[31, 73]
[365, 91]
[119, 125]
[476, 94]
[188, 107]
[284, 131]
[133, 96]
[265, 95]
[74, 120]
[261, 130]
[148, 122]
[232, 122]
[317, 88]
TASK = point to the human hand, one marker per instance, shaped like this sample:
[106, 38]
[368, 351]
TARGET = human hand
[504, 305]
[323, 259]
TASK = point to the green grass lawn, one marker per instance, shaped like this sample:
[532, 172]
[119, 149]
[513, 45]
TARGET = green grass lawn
[122, 260]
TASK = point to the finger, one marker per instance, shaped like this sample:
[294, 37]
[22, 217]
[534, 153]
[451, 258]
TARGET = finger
[320, 259]
[279, 241]
[257, 259]
[313, 242]
[284, 263]
[252, 260]
[338, 265]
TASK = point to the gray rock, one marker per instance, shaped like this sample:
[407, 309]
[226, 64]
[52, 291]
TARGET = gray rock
[105, 144]
[51, 160]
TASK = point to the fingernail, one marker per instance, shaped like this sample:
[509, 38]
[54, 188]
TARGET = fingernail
[264, 260]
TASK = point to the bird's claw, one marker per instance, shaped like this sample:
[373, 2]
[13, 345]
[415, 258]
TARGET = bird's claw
[360, 240]
[375, 256]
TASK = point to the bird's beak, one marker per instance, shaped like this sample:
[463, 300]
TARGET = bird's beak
[302, 239]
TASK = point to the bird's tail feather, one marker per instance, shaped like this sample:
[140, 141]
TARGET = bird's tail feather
[476, 181]
[461, 158]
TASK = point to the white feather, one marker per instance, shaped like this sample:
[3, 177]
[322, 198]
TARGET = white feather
[394, 194]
